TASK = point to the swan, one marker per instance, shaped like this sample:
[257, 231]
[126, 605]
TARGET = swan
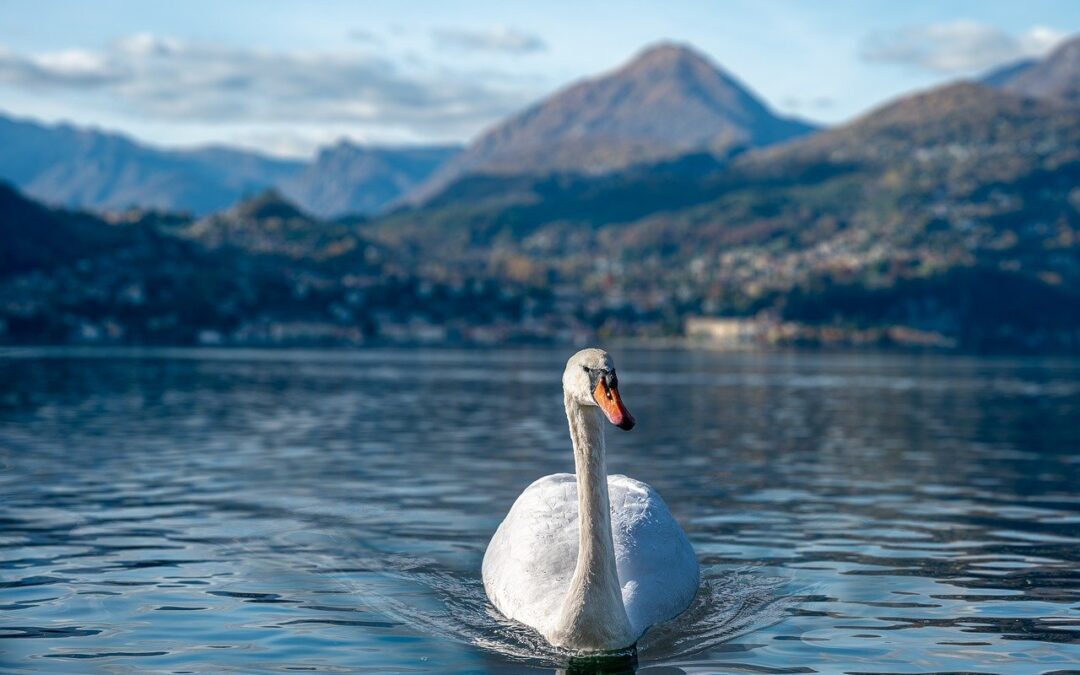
[588, 560]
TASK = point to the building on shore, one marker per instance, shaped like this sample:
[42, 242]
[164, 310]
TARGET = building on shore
[728, 332]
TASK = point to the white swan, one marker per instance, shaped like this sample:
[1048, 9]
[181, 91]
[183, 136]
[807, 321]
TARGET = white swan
[589, 560]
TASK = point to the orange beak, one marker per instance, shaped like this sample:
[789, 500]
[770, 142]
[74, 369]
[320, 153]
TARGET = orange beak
[608, 400]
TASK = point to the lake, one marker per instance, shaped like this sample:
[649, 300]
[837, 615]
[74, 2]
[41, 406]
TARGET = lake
[214, 510]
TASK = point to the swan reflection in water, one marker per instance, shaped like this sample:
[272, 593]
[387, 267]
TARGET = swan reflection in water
[622, 663]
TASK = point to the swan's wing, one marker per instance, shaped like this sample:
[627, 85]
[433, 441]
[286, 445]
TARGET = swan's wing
[530, 560]
[658, 569]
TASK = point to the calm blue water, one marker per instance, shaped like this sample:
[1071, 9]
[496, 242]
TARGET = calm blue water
[203, 511]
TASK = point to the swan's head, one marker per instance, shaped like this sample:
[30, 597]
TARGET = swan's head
[590, 379]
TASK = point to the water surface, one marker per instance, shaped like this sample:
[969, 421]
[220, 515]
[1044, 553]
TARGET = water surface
[201, 511]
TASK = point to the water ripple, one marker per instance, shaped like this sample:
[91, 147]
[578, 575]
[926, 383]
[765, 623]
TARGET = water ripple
[207, 511]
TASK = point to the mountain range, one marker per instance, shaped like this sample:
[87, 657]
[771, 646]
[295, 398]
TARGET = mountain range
[85, 168]
[951, 215]
[72, 167]
[667, 101]
[953, 212]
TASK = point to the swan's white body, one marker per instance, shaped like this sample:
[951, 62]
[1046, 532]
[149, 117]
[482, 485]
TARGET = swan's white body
[531, 558]
[590, 561]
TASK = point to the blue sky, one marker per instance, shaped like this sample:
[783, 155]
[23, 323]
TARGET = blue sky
[287, 77]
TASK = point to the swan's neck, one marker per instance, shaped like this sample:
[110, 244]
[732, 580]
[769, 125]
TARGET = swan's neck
[593, 615]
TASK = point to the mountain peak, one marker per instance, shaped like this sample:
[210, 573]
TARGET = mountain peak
[267, 204]
[667, 54]
[668, 100]
[680, 65]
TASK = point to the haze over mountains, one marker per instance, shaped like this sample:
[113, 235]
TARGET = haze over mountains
[949, 217]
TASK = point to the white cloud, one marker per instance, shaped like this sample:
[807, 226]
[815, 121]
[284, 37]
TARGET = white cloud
[957, 47]
[498, 39]
[71, 68]
[169, 79]
[147, 44]
[1040, 40]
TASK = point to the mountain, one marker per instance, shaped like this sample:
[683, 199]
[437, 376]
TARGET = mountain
[1055, 77]
[269, 224]
[35, 237]
[84, 168]
[259, 273]
[77, 277]
[952, 212]
[958, 128]
[962, 125]
[667, 101]
[1000, 76]
[63, 165]
[949, 217]
[352, 179]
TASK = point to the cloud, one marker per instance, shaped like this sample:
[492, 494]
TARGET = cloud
[170, 79]
[957, 47]
[498, 39]
[70, 69]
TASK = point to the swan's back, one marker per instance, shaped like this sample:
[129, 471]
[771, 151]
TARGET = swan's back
[531, 558]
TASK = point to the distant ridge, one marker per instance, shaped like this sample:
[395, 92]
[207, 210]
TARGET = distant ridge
[347, 178]
[73, 167]
[964, 115]
[667, 101]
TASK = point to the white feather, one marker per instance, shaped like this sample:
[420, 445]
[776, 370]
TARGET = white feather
[530, 560]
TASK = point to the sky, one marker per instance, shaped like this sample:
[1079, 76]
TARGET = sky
[286, 78]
